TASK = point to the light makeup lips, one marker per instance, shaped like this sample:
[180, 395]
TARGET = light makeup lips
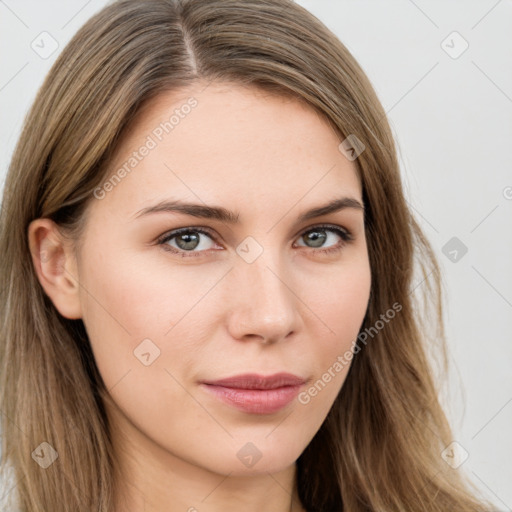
[254, 393]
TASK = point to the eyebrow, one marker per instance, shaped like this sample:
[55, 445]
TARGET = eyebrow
[224, 215]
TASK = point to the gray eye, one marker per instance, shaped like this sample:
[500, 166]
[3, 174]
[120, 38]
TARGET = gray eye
[317, 237]
[188, 241]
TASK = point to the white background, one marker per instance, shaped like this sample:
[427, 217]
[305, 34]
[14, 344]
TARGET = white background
[452, 119]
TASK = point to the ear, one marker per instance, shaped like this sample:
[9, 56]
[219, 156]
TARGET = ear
[56, 267]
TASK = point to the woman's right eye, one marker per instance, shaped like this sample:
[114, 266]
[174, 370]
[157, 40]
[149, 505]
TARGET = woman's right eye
[186, 240]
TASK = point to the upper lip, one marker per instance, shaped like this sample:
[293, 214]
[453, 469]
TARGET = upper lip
[256, 381]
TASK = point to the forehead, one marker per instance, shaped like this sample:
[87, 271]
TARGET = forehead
[230, 143]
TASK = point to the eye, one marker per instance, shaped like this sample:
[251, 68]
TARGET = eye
[188, 239]
[317, 235]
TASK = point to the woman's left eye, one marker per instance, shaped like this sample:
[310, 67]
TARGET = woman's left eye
[318, 236]
[188, 239]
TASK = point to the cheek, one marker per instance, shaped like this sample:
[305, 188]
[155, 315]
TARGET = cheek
[124, 292]
[339, 314]
[140, 317]
[339, 299]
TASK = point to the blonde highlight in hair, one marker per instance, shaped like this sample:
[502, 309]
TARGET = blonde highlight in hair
[379, 448]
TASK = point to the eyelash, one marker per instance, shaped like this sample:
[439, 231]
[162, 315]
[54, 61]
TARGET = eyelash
[345, 235]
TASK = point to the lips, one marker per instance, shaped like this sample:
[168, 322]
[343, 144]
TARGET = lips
[255, 381]
[253, 393]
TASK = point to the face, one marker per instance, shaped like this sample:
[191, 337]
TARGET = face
[176, 299]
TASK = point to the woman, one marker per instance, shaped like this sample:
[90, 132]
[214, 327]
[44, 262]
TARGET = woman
[280, 367]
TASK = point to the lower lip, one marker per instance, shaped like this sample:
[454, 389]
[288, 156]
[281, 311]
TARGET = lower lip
[256, 401]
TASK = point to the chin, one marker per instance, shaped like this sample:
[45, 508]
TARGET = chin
[258, 454]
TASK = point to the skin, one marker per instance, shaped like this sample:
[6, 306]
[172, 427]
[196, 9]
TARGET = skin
[292, 309]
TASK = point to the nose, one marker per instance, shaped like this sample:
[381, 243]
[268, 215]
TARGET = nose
[263, 304]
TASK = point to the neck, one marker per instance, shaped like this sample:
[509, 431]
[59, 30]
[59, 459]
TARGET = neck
[151, 479]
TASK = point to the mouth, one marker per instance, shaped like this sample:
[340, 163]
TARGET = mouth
[256, 394]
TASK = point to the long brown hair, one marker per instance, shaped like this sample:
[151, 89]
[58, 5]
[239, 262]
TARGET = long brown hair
[380, 446]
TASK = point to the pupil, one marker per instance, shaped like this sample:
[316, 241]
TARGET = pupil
[189, 239]
[317, 237]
